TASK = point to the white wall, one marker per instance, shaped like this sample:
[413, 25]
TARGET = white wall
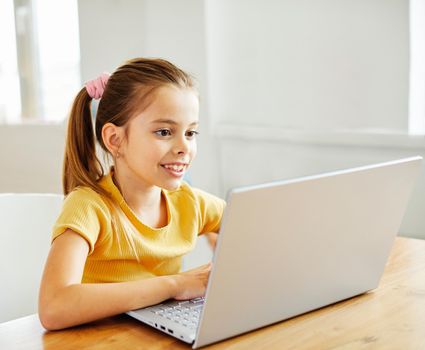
[31, 158]
[309, 63]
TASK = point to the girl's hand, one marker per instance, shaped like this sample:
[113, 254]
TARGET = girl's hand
[193, 283]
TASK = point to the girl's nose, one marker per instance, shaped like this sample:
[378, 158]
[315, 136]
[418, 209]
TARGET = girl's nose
[182, 145]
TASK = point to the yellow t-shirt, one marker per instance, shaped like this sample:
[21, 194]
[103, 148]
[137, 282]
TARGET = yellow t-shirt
[159, 250]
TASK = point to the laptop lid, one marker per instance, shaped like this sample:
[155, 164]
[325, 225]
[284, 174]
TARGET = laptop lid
[289, 247]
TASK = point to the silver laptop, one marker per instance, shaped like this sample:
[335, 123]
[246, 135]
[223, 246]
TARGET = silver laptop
[289, 247]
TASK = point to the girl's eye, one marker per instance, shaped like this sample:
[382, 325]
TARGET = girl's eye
[192, 133]
[163, 132]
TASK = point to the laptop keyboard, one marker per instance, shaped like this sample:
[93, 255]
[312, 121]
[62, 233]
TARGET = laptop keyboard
[185, 313]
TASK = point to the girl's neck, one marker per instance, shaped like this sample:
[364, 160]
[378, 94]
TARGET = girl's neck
[146, 202]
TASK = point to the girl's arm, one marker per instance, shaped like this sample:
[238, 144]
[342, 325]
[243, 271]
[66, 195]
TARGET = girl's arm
[64, 301]
[212, 239]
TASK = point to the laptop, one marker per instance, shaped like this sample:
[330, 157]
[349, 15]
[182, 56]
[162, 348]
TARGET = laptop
[289, 247]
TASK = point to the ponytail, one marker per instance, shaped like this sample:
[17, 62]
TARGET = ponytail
[81, 167]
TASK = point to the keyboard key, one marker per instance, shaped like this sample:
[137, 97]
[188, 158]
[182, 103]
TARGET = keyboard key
[197, 301]
[185, 313]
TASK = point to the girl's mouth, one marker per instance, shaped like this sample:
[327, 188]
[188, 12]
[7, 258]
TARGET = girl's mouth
[175, 169]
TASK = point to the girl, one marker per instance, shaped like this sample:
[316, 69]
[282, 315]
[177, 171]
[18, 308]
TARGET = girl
[118, 242]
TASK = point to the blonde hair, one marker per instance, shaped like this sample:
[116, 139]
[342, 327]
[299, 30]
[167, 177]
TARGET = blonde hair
[126, 93]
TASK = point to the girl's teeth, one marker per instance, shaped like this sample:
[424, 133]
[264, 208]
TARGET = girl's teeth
[174, 167]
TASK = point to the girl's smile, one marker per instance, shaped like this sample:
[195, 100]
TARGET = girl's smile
[177, 169]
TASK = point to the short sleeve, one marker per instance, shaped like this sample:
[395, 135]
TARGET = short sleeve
[85, 213]
[211, 210]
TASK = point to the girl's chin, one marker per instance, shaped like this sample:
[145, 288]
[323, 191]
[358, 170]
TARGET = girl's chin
[172, 185]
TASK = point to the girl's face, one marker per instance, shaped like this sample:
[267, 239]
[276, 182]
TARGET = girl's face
[160, 142]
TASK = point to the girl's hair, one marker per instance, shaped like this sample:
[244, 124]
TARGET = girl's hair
[126, 93]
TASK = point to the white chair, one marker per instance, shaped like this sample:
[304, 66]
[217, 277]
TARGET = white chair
[26, 222]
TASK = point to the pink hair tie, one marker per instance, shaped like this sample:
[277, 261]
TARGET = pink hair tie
[96, 87]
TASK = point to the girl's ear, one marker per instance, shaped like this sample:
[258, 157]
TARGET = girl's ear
[113, 136]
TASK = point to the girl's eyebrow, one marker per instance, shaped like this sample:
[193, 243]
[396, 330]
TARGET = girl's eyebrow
[170, 121]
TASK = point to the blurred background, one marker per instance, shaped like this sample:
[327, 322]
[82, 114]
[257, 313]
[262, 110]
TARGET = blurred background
[288, 87]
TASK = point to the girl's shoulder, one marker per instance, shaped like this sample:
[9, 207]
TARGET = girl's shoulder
[83, 192]
[200, 197]
[209, 208]
[85, 197]
[85, 212]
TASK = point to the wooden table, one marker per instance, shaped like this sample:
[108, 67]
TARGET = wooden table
[390, 317]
